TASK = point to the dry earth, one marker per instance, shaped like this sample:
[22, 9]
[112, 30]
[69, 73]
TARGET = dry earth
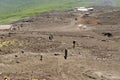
[96, 55]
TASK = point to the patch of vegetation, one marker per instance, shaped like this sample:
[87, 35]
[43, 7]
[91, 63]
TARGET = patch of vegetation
[12, 10]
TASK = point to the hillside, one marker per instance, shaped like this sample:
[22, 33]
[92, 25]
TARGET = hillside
[11, 10]
[62, 45]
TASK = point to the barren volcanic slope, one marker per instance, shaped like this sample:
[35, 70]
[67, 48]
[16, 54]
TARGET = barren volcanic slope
[63, 45]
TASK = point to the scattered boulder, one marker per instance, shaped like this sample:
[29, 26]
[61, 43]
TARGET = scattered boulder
[22, 52]
[107, 34]
[16, 55]
[50, 37]
[57, 54]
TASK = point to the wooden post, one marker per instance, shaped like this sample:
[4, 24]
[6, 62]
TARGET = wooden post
[74, 44]
[66, 54]
[41, 57]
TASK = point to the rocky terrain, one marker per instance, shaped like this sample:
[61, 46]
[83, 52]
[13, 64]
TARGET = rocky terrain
[63, 45]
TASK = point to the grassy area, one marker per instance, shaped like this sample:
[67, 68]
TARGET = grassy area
[12, 10]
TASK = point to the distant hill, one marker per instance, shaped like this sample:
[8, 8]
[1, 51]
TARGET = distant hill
[11, 10]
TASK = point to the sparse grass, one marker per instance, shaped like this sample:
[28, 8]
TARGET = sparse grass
[12, 43]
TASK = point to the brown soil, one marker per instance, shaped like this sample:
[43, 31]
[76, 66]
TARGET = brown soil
[27, 53]
[88, 20]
